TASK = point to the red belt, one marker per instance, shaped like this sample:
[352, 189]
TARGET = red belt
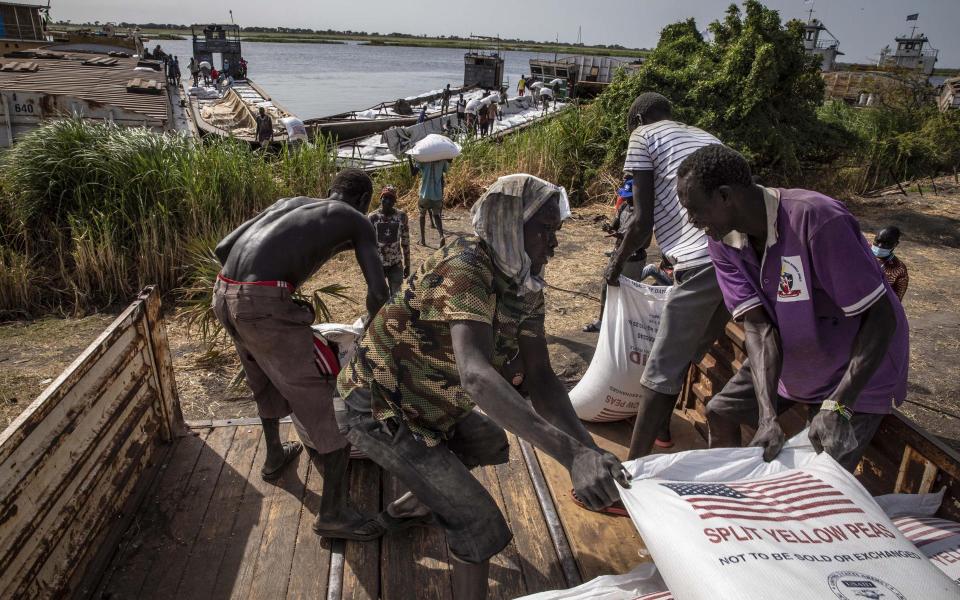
[282, 284]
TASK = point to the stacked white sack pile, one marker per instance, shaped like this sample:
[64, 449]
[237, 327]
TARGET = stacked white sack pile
[724, 525]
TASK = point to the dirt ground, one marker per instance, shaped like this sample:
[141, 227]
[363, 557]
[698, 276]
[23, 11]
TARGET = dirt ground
[32, 354]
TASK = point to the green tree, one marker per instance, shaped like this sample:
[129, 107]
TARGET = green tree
[752, 85]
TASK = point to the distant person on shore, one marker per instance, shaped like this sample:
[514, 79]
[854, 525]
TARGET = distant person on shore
[445, 100]
[522, 85]
[461, 110]
[893, 268]
[173, 71]
[393, 239]
[432, 181]
[194, 71]
[484, 117]
[423, 114]
[264, 261]
[264, 129]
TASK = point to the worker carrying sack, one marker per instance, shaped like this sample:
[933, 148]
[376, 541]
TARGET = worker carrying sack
[798, 528]
[434, 147]
[610, 388]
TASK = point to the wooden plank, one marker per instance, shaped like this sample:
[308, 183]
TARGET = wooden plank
[180, 532]
[212, 540]
[506, 577]
[108, 486]
[417, 559]
[137, 551]
[73, 420]
[280, 533]
[238, 566]
[140, 480]
[156, 335]
[43, 509]
[310, 569]
[538, 559]
[361, 568]
[22, 427]
[602, 544]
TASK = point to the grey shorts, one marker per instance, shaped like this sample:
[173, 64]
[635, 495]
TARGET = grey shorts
[275, 343]
[693, 318]
[439, 476]
[737, 403]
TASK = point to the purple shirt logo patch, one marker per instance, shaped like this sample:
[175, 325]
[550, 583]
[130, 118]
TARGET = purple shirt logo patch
[793, 282]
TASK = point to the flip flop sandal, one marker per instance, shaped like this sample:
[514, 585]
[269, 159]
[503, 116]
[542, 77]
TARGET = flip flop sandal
[616, 509]
[354, 535]
[291, 450]
[393, 524]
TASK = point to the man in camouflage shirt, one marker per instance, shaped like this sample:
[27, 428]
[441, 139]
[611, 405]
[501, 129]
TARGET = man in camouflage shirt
[430, 358]
[393, 238]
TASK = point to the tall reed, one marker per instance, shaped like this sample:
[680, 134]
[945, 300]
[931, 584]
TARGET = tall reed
[92, 212]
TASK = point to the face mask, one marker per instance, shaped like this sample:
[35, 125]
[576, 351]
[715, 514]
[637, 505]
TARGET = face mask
[881, 252]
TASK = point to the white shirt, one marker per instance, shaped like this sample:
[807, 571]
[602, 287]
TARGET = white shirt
[661, 147]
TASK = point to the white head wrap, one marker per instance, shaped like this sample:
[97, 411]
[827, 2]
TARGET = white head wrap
[498, 219]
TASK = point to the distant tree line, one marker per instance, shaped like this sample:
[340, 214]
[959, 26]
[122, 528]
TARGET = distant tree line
[349, 32]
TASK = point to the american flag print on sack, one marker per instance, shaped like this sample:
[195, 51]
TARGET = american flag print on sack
[926, 530]
[796, 496]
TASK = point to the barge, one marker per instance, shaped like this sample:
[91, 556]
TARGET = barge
[41, 80]
[108, 492]
[228, 108]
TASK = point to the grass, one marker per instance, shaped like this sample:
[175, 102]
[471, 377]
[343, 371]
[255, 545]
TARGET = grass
[92, 212]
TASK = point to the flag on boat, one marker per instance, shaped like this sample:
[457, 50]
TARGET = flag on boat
[913, 17]
[795, 497]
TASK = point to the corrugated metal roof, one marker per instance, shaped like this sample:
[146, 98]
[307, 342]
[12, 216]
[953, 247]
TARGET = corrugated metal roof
[106, 85]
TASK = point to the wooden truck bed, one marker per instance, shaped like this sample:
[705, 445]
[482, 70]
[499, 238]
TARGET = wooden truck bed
[107, 493]
[211, 528]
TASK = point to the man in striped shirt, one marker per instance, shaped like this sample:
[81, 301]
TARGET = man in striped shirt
[694, 314]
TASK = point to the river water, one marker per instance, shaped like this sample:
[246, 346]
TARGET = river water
[315, 80]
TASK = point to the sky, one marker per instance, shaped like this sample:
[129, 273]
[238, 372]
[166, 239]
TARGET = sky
[862, 26]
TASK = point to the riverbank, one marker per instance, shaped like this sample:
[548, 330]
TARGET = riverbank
[403, 41]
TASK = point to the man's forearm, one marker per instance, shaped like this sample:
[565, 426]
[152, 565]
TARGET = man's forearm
[551, 402]
[508, 409]
[766, 361]
[638, 236]
[869, 348]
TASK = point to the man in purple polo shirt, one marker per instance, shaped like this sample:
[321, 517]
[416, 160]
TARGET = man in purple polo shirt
[823, 327]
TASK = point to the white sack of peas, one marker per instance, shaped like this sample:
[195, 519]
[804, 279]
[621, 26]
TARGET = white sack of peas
[610, 388]
[797, 528]
[938, 539]
[643, 582]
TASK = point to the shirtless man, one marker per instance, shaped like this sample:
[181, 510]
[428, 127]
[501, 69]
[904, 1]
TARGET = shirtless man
[264, 261]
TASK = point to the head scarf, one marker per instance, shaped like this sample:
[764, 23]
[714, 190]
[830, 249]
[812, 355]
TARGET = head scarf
[498, 219]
